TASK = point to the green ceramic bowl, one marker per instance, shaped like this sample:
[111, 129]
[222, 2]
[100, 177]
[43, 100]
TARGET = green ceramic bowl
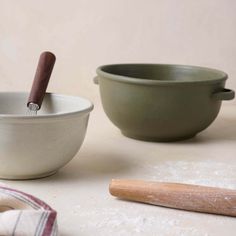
[159, 102]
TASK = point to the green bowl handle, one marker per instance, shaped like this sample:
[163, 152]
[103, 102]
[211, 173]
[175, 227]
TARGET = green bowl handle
[95, 79]
[225, 94]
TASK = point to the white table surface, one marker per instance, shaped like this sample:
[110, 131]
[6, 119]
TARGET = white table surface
[79, 191]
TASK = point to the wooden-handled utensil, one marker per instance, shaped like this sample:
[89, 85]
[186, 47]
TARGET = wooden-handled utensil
[179, 196]
[41, 79]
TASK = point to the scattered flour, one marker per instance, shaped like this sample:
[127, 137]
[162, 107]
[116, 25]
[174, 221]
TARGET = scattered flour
[128, 218]
[118, 221]
[208, 173]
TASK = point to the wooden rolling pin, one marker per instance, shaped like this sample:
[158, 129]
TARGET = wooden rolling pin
[179, 196]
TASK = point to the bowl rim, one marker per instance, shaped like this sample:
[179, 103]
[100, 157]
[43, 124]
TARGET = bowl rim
[135, 80]
[47, 116]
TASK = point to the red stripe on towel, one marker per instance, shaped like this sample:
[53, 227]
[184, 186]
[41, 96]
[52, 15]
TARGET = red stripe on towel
[49, 225]
[34, 199]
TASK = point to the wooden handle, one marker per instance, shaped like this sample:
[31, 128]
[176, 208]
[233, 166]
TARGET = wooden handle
[41, 79]
[179, 196]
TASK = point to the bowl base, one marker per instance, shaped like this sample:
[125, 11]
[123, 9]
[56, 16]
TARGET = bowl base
[26, 177]
[156, 139]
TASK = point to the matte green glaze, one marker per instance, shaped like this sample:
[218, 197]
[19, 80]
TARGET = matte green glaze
[158, 102]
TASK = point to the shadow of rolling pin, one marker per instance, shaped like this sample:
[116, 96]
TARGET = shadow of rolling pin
[178, 196]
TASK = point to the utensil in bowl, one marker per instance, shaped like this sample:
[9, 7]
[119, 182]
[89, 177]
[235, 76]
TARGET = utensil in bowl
[37, 146]
[161, 102]
[40, 83]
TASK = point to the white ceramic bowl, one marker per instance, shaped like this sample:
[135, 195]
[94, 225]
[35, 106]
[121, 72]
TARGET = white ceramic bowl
[37, 146]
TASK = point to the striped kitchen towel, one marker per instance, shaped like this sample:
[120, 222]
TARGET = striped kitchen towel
[22, 214]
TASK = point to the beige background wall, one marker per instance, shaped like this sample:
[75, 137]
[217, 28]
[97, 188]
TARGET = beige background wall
[87, 33]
